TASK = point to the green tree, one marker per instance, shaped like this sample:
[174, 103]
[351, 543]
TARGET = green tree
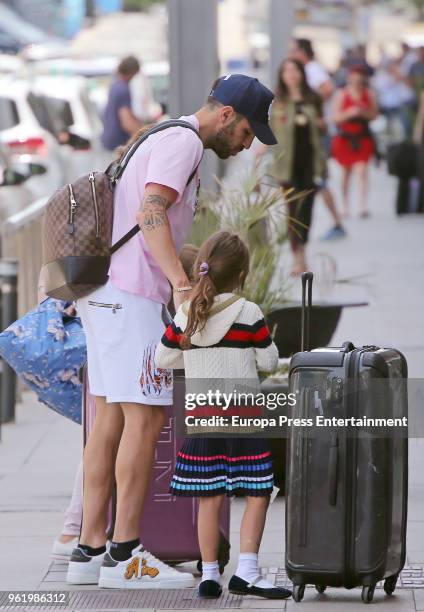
[140, 5]
[419, 5]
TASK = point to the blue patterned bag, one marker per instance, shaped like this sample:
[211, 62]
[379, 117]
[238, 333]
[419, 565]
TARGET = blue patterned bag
[46, 348]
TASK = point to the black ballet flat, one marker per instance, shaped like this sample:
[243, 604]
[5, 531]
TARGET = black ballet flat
[238, 586]
[209, 589]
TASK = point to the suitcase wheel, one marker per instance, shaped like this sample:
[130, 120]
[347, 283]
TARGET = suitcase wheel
[320, 588]
[368, 593]
[390, 584]
[298, 592]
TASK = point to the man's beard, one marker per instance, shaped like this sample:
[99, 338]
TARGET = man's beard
[220, 142]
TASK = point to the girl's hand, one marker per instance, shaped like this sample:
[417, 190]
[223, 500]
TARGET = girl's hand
[261, 150]
[322, 125]
[353, 112]
[71, 311]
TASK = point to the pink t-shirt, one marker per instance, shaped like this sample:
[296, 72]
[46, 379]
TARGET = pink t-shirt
[167, 158]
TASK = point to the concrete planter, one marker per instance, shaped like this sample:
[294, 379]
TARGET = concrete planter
[285, 320]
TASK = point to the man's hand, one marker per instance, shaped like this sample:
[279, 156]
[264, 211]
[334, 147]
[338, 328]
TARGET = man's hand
[179, 297]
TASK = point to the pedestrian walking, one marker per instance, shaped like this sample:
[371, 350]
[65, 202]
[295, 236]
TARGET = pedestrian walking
[219, 335]
[319, 80]
[299, 160]
[353, 146]
[119, 120]
[123, 324]
[416, 73]
[396, 100]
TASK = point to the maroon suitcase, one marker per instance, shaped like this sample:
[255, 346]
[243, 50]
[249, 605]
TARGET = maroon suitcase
[168, 526]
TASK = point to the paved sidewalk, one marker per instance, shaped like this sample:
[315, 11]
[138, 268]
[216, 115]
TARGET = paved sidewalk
[39, 454]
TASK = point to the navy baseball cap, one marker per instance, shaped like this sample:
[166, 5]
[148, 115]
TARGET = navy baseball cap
[249, 98]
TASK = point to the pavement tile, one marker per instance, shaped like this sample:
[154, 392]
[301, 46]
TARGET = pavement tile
[415, 556]
[419, 600]
[415, 536]
[23, 562]
[23, 524]
[64, 586]
[271, 559]
[273, 541]
[342, 600]
[255, 603]
[416, 503]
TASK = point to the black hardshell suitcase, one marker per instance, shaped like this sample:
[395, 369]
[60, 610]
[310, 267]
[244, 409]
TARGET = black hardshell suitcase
[346, 495]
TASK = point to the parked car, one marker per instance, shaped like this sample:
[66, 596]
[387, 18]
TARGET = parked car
[26, 140]
[11, 65]
[151, 96]
[158, 75]
[14, 194]
[98, 73]
[63, 107]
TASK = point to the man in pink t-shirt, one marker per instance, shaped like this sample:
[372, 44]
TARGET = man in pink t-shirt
[167, 158]
[123, 324]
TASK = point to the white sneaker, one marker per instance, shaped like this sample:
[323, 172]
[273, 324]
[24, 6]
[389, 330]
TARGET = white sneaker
[142, 571]
[63, 550]
[83, 569]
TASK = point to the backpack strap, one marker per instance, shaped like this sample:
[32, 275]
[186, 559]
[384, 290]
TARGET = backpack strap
[119, 169]
[122, 164]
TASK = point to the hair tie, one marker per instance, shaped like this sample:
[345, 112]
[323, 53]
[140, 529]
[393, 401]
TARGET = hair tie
[203, 268]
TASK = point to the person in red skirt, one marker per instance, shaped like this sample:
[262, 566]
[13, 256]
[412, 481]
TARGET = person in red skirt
[353, 146]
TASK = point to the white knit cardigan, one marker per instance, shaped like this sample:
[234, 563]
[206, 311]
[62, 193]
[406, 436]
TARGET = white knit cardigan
[234, 343]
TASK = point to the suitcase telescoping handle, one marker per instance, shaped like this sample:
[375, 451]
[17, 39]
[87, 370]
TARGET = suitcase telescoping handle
[332, 469]
[307, 278]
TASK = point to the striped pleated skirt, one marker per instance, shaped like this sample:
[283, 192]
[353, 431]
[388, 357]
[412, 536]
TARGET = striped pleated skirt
[217, 466]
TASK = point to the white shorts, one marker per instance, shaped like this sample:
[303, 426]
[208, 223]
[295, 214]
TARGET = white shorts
[122, 330]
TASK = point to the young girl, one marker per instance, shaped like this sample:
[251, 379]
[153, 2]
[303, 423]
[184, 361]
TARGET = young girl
[220, 335]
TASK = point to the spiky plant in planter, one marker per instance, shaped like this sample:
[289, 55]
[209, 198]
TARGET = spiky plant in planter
[255, 210]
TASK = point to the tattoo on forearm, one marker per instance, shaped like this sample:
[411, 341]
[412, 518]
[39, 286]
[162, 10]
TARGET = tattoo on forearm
[153, 212]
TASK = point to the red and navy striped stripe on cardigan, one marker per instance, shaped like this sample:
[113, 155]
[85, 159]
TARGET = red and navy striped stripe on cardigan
[240, 335]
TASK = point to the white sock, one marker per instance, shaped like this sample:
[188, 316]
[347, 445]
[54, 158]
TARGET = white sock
[210, 571]
[248, 570]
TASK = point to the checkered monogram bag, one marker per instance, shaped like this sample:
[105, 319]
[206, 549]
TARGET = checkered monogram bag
[77, 230]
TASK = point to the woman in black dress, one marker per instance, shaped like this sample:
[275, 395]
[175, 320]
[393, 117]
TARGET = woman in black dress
[299, 159]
